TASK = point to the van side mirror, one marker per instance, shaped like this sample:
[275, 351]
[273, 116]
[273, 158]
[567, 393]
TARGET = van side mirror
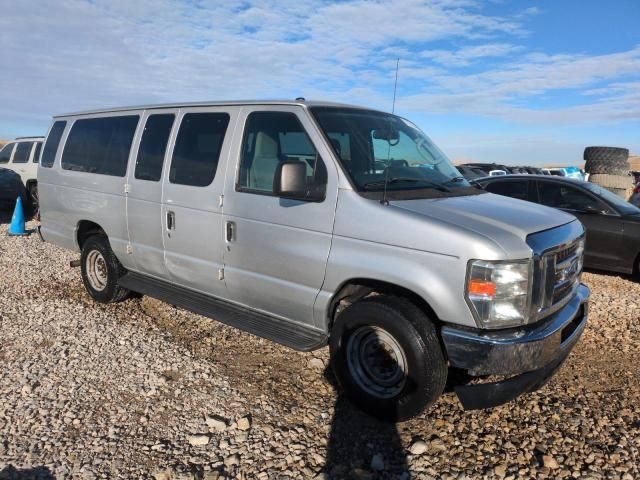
[291, 182]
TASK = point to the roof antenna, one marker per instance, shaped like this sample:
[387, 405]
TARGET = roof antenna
[384, 200]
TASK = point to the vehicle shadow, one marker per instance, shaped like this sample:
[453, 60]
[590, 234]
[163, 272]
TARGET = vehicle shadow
[38, 473]
[361, 446]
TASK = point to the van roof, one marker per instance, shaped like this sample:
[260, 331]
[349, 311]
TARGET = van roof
[300, 102]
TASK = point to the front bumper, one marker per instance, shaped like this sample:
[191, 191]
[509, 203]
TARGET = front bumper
[530, 354]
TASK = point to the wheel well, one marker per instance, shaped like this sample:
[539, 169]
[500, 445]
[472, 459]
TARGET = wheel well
[87, 229]
[359, 288]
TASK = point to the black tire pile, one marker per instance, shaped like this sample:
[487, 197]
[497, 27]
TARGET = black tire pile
[609, 168]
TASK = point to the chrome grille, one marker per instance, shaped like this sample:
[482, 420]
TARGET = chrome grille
[555, 277]
[567, 270]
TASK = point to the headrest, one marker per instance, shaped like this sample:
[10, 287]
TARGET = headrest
[266, 146]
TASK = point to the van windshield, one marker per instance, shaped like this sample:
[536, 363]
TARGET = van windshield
[376, 147]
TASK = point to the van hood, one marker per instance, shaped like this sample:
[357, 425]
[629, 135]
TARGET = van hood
[489, 214]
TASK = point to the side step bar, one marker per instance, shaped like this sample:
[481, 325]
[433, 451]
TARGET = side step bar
[259, 324]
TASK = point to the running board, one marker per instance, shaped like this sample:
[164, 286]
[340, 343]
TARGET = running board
[272, 328]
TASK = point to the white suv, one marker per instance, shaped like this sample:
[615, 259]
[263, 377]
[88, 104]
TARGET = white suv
[21, 156]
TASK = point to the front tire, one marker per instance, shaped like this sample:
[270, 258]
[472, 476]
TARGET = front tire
[386, 356]
[101, 271]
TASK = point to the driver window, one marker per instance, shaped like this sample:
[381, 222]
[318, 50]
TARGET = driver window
[558, 195]
[273, 138]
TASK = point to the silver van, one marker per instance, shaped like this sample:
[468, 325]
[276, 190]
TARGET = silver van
[312, 223]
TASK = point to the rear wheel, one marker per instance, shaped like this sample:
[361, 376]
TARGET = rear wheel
[386, 356]
[101, 271]
[33, 196]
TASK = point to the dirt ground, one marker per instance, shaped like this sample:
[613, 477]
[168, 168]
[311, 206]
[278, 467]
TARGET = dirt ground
[130, 386]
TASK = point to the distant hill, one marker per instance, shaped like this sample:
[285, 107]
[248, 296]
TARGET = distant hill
[634, 162]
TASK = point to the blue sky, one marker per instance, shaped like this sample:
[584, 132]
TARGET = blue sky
[520, 82]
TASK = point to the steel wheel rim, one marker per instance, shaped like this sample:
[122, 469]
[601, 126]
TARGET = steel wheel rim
[96, 270]
[376, 361]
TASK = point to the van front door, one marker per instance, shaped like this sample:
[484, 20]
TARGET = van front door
[144, 198]
[191, 199]
[277, 248]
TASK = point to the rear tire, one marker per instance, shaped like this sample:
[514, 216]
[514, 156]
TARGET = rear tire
[101, 271]
[33, 196]
[386, 356]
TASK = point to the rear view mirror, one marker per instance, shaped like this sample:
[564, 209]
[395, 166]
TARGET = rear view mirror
[291, 181]
[390, 134]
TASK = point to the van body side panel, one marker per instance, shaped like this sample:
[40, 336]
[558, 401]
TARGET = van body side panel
[54, 226]
[424, 255]
[75, 196]
[144, 208]
[277, 258]
[194, 247]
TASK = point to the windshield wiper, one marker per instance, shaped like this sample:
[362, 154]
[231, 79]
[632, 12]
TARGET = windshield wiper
[381, 183]
[454, 180]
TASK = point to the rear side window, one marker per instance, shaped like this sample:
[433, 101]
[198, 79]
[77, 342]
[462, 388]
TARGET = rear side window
[153, 147]
[197, 149]
[100, 145]
[36, 152]
[51, 144]
[22, 152]
[514, 189]
[5, 153]
[559, 195]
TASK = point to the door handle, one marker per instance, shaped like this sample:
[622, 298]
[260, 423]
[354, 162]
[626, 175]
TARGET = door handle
[171, 220]
[231, 231]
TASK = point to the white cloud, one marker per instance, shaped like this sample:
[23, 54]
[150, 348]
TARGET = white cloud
[76, 55]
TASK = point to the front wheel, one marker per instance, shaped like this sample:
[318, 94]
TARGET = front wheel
[386, 356]
[101, 271]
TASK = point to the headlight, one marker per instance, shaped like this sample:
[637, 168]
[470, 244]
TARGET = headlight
[499, 293]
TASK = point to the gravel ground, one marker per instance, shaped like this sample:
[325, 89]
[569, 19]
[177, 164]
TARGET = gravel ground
[144, 390]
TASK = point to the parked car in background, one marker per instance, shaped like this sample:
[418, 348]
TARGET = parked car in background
[613, 225]
[312, 223]
[490, 169]
[635, 196]
[568, 172]
[636, 176]
[535, 171]
[471, 173]
[22, 155]
[11, 188]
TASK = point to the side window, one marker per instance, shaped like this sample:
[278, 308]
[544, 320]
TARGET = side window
[153, 147]
[272, 138]
[22, 152]
[514, 189]
[558, 195]
[5, 153]
[100, 145]
[197, 149]
[51, 144]
[36, 152]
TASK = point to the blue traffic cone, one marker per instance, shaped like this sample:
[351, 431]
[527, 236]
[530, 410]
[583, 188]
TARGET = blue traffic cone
[17, 220]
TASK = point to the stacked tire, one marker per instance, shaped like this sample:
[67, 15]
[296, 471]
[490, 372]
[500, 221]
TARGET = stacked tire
[608, 167]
